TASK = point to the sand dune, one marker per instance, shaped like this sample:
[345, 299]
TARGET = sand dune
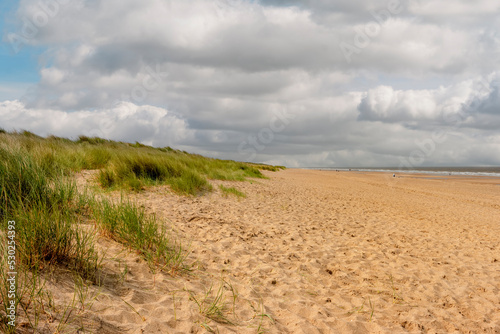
[321, 252]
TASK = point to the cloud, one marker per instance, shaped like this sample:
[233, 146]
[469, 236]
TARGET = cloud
[211, 76]
[126, 121]
[471, 103]
[385, 104]
[100, 50]
[342, 136]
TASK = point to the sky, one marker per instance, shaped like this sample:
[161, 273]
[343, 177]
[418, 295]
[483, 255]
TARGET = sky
[406, 83]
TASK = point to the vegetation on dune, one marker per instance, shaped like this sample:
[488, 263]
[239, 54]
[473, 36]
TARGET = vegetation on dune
[55, 225]
[267, 167]
[131, 166]
[43, 207]
[38, 211]
[130, 225]
[231, 191]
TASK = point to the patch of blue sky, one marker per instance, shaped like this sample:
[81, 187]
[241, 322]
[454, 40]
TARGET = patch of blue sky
[17, 70]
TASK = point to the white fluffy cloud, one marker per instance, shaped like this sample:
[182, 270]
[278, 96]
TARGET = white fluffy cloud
[126, 121]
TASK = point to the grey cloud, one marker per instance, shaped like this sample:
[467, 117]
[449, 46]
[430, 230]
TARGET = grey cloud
[457, 12]
[474, 103]
[490, 104]
[342, 11]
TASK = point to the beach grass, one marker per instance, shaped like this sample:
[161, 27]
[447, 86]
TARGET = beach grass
[212, 304]
[56, 226]
[231, 191]
[131, 166]
[42, 208]
[186, 174]
[126, 223]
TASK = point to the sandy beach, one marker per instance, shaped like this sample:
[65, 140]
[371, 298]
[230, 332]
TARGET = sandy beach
[319, 252]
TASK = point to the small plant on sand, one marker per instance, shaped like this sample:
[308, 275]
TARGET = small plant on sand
[84, 295]
[65, 318]
[173, 303]
[231, 191]
[212, 304]
[234, 295]
[260, 313]
[357, 309]
[361, 309]
[123, 275]
[209, 329]
[396, 298]
[372, 308]
[133, 309]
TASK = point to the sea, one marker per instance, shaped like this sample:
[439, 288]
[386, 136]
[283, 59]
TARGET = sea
[457, 171]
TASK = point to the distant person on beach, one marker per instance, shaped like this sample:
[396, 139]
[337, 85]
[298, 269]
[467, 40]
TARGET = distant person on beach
[393, 175]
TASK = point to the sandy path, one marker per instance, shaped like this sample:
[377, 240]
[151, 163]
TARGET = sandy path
[328, 252]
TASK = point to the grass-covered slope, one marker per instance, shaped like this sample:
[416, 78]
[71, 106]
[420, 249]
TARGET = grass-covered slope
[38, 193]
[124, 165]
